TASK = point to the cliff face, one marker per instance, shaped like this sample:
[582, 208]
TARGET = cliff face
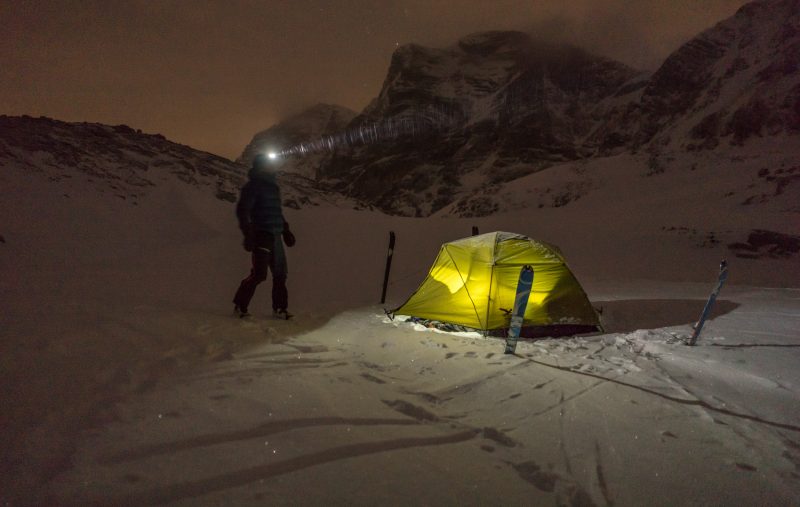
[504, 105]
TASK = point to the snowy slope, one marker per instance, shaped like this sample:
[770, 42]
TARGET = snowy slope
[366, 411]
[105, 302]
[704, 206]
[130, 164]
[109, 237]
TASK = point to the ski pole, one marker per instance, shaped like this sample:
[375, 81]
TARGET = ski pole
[388, 266]
[698, 327]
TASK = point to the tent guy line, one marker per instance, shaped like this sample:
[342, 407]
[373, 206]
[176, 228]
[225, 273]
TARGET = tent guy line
[682, 401]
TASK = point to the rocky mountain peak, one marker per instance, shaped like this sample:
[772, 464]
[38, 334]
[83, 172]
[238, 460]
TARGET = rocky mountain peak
[516, 104]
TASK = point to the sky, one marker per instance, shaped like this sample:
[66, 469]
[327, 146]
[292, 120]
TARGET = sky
[212, 73]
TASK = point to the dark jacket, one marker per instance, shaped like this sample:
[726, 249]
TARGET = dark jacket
[259, 207]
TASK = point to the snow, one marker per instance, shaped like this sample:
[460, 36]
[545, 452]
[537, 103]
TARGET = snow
[629, 418]
[128, 382]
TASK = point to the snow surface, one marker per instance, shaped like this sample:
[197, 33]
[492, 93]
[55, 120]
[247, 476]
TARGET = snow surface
[127, 381]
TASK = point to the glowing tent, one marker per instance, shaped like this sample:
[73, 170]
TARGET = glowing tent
[473, 283]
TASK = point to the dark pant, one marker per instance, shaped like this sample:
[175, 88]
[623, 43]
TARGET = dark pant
[268, 254]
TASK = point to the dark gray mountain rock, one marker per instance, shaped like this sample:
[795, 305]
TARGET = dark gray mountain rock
[512, 105]
[736, 80]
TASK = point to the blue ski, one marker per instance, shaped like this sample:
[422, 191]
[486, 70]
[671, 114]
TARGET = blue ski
[698, 327]
[520, 304]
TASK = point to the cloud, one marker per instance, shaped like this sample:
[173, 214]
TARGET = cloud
[640, 33]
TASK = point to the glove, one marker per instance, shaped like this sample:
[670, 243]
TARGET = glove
[248, 243]
[288, 237]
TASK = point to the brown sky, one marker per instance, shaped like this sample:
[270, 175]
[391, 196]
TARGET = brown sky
[212, 73]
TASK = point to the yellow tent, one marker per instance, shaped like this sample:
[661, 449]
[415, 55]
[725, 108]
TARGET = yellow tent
[473, 283]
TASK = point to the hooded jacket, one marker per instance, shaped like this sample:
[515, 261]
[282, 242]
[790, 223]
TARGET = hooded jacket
[259, 207]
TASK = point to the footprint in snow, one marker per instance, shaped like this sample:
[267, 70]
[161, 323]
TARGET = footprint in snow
[411, 410]
[667, 434]
[373, 378]
[533, 473]
[499, 437]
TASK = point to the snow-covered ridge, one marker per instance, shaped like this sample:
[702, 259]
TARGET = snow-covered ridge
[125, 161]
[129, 164]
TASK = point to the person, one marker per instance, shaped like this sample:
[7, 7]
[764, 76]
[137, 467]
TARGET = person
[261, 220]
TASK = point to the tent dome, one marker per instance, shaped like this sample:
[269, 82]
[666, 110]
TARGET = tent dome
[473, 283]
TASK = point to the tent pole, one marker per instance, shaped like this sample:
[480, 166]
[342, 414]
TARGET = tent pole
[491, 281]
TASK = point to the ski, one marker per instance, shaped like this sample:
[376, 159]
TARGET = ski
[520, 304]
[698, 327]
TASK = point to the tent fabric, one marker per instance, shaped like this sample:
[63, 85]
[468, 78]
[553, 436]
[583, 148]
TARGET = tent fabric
[474, 279]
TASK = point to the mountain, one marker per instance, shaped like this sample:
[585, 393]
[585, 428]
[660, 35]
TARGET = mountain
[317, 121]
[499, 106]
[717, 124]
[737, 80]
[129, 164]
[513, 105]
